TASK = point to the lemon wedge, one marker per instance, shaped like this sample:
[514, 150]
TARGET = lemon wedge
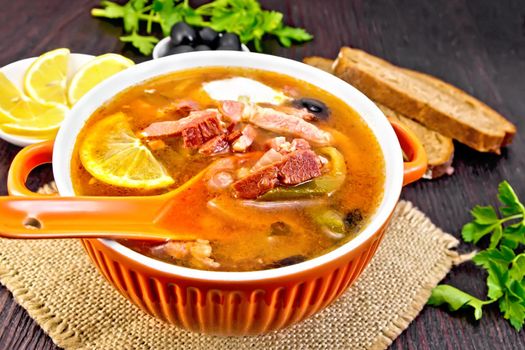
[113, 154]
[43, 124]
[46, 79]
[22, 116]
[94, 72]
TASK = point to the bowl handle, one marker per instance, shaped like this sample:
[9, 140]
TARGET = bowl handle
[25, 161]
[416, 166]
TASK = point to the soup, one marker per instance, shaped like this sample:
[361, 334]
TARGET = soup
[289, 172]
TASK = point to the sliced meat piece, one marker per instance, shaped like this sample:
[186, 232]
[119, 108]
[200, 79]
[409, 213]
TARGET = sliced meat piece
[233, 110]
[179, 108]
[270, 157]
[216, 145]
[298, 112]
[196, 129]
[245, 140]
[161, 129]
[293, 168]
[270, 119]
[256, 184]
[276, 120]
[299, 167]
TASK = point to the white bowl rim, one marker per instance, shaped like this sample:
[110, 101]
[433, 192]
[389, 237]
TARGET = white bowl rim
[368, 111]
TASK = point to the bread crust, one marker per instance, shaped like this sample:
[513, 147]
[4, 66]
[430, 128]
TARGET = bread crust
[347, 68]
[439, 148]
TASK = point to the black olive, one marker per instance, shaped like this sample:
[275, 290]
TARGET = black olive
[208, 37]
[316, 107]
[182, 34]
[279, 228]
[353, 218]
[202, 48]
[179, 49]
[229, 41]
[291, 260]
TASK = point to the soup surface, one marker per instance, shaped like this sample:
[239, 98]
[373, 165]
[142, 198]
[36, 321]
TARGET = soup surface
[289, 171]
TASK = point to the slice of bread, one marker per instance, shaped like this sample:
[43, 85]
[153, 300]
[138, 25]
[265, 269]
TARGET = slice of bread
[439, 148]
[320, 62]
[426, 99]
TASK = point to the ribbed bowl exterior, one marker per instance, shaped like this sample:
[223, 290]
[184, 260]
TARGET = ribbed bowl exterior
[230, 308]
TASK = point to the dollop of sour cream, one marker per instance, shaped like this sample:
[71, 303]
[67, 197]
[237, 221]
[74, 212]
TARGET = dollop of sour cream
[240, 88]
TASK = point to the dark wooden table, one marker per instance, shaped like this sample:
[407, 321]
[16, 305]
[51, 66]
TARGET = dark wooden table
[474, 44]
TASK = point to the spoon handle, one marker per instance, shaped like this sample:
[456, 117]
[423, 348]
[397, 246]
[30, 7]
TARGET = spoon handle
[83, 217]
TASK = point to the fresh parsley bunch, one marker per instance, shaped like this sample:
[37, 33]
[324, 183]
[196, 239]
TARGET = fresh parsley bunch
[503, 260]
[245, 18]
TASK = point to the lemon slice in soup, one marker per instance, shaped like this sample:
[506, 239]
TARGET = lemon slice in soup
[112, 153]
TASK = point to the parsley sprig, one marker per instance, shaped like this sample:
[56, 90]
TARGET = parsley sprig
[503, 260]
[245, 18]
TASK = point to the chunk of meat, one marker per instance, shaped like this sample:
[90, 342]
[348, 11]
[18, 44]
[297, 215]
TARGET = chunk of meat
[245, 140]
[257, 183]
[300, 166]
[294, 168]
[234, 135]
[218, 144]
[196, 129]
[276, 121]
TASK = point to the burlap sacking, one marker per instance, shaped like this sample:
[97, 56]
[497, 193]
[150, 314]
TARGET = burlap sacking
[59, 287]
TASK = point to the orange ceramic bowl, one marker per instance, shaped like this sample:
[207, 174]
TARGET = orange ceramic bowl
[233, 303]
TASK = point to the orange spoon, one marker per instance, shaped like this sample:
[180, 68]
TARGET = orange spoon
[30, 215]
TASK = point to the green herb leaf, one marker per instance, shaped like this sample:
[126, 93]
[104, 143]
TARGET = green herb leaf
[506, 268]
[109, 10]
[287, 34]
[484, 215]
[456, 299]
[145, 44]
[473, 231]
[508, 197]
[514, 311]
[517, 271]
[497, 279]
[502, 257]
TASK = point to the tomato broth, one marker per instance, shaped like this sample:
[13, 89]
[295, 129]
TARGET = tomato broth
[286, 180]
